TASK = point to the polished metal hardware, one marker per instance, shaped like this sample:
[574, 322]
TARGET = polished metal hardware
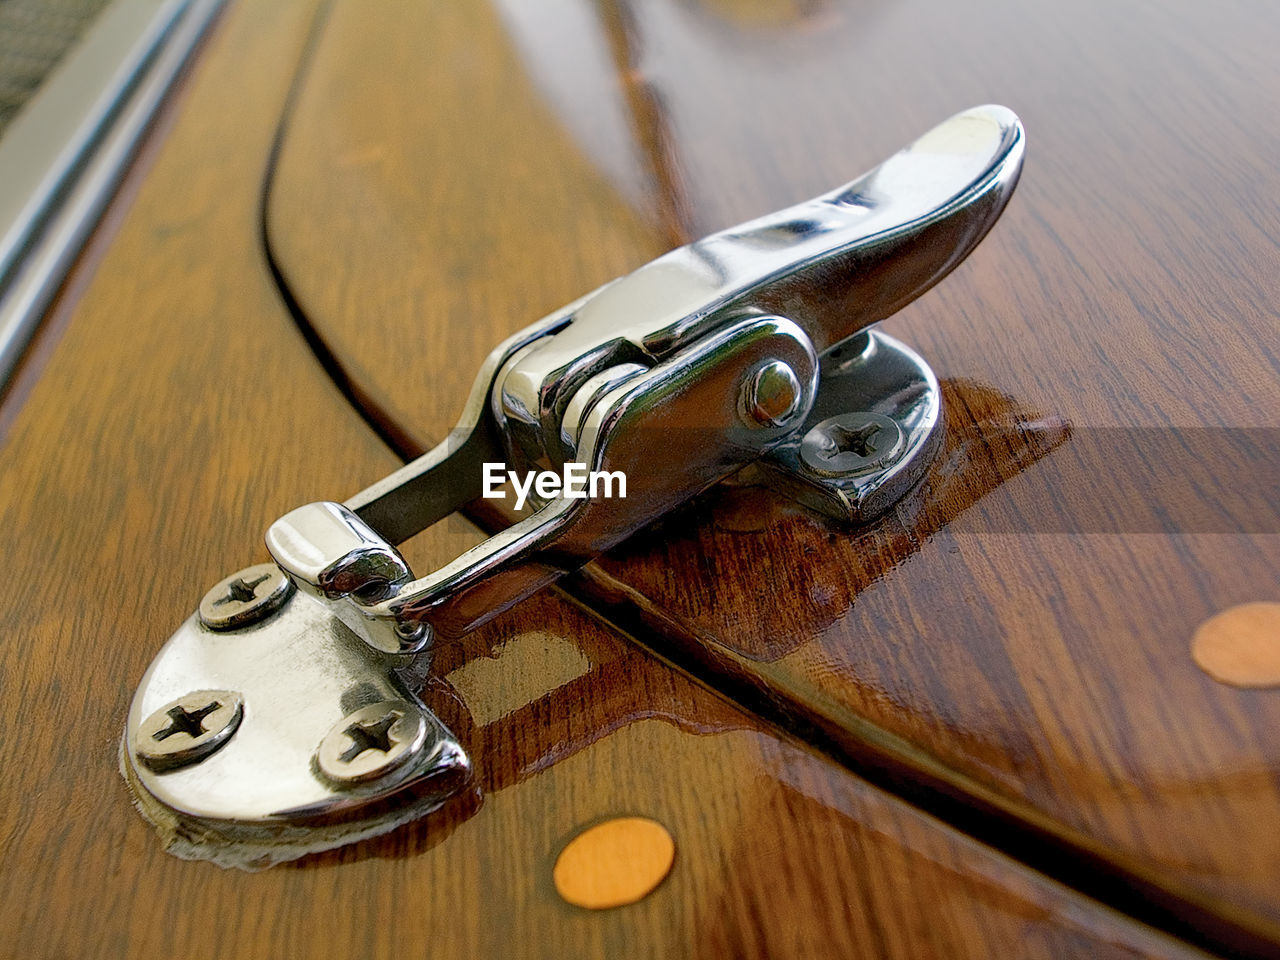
[245, 597]
[188, 729]
[869, 437]
[372, 743]
[750, 345]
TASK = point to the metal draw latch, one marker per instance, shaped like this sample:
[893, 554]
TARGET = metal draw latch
[280, 704]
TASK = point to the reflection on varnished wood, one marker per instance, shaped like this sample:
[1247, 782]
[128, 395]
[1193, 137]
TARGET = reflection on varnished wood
[799, 585]
[526, 698]
[761, 829]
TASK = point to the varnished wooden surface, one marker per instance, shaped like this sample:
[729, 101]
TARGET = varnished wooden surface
[425, 214]
[176, 411]
[1021, 630]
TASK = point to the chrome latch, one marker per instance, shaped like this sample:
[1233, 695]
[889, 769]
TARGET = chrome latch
[749, 345]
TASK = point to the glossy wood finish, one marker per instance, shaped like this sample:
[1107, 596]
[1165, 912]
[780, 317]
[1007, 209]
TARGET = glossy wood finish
[380, 215]
[1019, 632]
[172, 411]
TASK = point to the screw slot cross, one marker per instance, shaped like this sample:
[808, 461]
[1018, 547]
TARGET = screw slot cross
[859, 440]
[190, 722]
[370, 736]
[240, 591]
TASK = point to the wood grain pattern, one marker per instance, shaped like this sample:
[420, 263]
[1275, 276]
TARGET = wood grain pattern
[1019, 632]
[177, 413]
[438, 231]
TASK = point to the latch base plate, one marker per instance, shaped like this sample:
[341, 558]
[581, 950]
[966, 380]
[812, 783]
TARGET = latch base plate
[873, 431]
[326, 732]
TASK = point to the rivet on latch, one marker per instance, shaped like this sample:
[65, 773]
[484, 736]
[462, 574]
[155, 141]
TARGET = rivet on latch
[245, 597]
[188, 729]
[372, 742]
[771, 395]
[850, 444]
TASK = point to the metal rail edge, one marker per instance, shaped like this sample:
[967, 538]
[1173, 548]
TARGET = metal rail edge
[64, 156]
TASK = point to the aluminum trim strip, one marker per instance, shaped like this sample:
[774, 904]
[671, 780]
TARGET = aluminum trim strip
[68, 150]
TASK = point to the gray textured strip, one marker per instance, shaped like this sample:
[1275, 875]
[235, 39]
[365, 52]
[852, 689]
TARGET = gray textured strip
[62, 158]
[34, 37]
